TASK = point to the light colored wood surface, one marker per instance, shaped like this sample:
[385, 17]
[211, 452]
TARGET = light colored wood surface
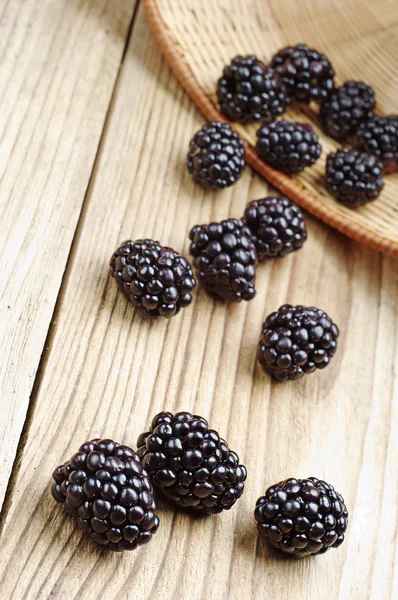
[59, 61]
[107, 372]
[359, 37]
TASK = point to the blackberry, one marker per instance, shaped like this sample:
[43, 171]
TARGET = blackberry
[226, 259]
[110, 495]
[277, 226]
[249, 91]
[302, 517]
[354, 178]
[346, 108]
[296, 340]
[216, 156]
[379, 136]
[308, 74]
[156, 279]
[190, 463]
[288, 146]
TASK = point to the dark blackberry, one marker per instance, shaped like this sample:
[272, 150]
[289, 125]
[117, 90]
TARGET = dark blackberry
[249, 91]
[346, 108]
[379, 136]
[288, 146]
[225, 258]
[156, 279]
[302, 517]
[216, 156]
[277, 226]
[354, 178]
[296, 340]
[110, 495]
[190, 463]
[308, 74]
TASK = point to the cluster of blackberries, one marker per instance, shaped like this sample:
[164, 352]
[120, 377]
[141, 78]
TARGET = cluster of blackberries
[250, 91]
[355, 176]
[294, 341]
[159, 282]
[226, 254]
[108, 489]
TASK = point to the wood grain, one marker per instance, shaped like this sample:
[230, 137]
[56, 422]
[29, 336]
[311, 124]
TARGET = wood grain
[198, 39]
[59, 61]
[108, 372]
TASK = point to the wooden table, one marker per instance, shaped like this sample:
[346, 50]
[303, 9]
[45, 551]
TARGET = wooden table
[94, 133]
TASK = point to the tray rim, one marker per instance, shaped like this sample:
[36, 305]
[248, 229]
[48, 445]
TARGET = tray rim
[293, 189]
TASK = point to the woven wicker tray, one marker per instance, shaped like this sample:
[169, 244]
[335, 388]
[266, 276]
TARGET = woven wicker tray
[198, 37]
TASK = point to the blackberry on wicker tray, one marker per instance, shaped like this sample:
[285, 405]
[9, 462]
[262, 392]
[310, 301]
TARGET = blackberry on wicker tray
[302, 517]
[216, 156]
[225, 258]
[308, 74]
[296, 340]
[354, 178]
[110, 495]
[287, 146]
[156, 279]
[190, 463]
[379, 136]
[250, 91]
[346, 108]
[277, 226]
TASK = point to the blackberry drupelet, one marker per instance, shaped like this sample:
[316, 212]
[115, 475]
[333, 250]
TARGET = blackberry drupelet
[296, 340]
[346, 108]
[156, 279]
[110, 495]
[190, 463]
[277, 226]
[288, 146]
[308, 74]
[302, 517]
[216, 156]
[249, 91]
[379, 136]
[225, 258]
[354, 178]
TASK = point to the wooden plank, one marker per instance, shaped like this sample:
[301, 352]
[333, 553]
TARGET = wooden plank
[109, 372]
[59, 61]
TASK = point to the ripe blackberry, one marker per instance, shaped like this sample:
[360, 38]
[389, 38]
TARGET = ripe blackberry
[190, 463]
[354, 178]
[346, 108]
[277, 226]
[216, 156]
[308, 74]
[379, 136]
[156, 279]
[296, 340]
[302, 517]
[110, 495]
[225, 258]
[249, 91]
[288, 146]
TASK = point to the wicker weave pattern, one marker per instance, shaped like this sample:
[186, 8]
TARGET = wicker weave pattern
[359, 36]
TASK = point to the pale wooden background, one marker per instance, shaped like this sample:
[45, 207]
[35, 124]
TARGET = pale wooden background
[94, 132]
